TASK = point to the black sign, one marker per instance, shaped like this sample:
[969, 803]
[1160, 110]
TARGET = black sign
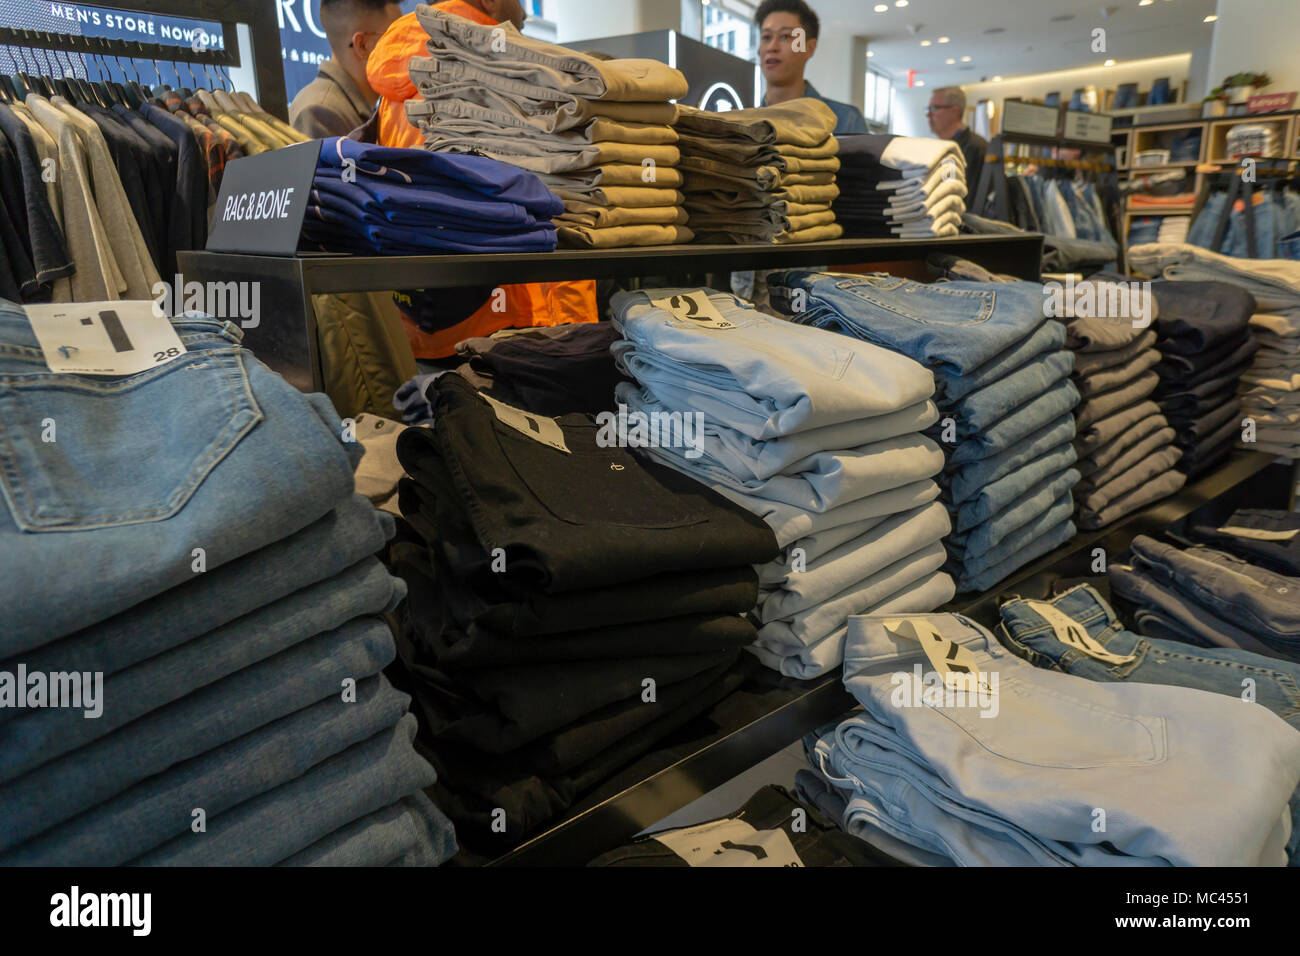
[262, 201]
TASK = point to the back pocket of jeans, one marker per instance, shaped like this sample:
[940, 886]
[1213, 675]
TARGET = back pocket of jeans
[78, 453]
[1045, 728]
[932, 304]
[593, 485]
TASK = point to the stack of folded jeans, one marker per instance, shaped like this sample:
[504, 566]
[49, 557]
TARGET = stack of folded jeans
[597, 131]
[760, 175]
[1125, 445]
[819, 436]
[1114, 654]
[1270, 389]
[914, 187]
[1002, 385]
[1203, 596]
[569, 605]
[974, 774]
[1203, 334]
[1266, 538]
[214, 610]
[372, 200]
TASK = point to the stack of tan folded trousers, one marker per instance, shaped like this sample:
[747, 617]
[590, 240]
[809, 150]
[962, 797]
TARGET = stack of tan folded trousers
[597, 132]
[760, 175]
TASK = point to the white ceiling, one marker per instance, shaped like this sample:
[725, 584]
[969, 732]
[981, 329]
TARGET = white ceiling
[1030, 42]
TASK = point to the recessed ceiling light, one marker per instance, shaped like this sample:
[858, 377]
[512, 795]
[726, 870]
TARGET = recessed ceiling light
[965, 59]
[881, 7]
[925, 43]
[997, 79]
[871, 53]
[920, 82]
[950, 61]
[1145, 3]
[943, 39]
[1210, 19]
[1109, 63]
[900, 3]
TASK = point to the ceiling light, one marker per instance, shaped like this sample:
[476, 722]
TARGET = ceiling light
[997, 79]
[925, 43]
[1210, 19]
[920, 82]
[1109, 63]
[900, 3]
[950, 61]
[965, 59]
[1145, 3]
[871, 53]
[881, 7]
[943, 39]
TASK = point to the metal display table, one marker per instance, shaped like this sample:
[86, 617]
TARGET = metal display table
[285, 337]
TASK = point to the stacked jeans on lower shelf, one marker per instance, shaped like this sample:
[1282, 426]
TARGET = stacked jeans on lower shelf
[569, 605]
[818, 435]
[1125, 445]
[227, 657]
[1267, 538]
[1203, 334]
[1002, 384]
[760, 175]
[912, 187]
[379, 200]
[1115, 654]
[1210, 598]
[582, 123]
[1270, 388]
[976, 774]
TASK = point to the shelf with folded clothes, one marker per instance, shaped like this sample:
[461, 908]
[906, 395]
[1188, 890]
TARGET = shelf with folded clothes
[768, 713]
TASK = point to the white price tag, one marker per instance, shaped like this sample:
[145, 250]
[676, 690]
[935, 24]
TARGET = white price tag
[537, 427]
[104, 338]
[693, 308]
[1073, 634]
[954, 663]
[731, 843]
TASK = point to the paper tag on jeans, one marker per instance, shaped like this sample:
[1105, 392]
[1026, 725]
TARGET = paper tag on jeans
[693, 308]
[537, 427]
[731, 843]
[104, 338]
[954, 663]
[1073, 634]
[1259, 534]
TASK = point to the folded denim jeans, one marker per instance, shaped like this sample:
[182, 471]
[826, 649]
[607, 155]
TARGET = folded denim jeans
[1162, 486]
[1090, 363]
[1267, 538]
[1149, 440]
[98, 508]
[1106, 404]
[412, 830]
[999, 495]
[1047, 338]
[966, 481]
[982, 409]
[1046, 537]
[1034, 502]
[1017, 426]
[1117, 376]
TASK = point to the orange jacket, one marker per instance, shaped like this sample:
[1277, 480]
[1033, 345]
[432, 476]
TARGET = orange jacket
[536, 303]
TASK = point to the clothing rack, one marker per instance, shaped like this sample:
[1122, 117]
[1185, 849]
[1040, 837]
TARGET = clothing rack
[259, 17]
[993, 177]
[1238, 187]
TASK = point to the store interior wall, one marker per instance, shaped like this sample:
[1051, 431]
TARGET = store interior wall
[590, 19]
[1257, 36]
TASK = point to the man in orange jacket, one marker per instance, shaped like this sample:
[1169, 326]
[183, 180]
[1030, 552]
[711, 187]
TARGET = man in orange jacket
[509, 306]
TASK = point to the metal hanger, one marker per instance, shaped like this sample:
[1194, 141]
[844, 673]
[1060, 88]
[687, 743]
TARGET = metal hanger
[8, 92]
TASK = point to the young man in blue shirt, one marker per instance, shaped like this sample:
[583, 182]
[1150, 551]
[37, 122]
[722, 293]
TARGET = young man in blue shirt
[783, 53]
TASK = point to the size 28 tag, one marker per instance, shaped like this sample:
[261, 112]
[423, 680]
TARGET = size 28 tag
[693, 308]
[731, 843]
[954, 663]
[1073, 634]
[537, 427]
[103, 338]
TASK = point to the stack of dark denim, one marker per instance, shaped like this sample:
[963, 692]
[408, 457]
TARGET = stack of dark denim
[922, 768]
[377, 200]
[1002, 384]
[760, 175]
[1269, 539]
[569, 605]
[818, 435]
[598, 131]
[1125, 445]
[1203, 596]
[1203, 334]
[213, 605]
[913, 187]
[1032, 630]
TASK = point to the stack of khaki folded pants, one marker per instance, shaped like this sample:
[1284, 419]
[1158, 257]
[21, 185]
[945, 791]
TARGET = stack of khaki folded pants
[760, 175]
[597, 132]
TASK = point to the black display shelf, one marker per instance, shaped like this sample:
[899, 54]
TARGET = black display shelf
[770, 712]
[285, 335]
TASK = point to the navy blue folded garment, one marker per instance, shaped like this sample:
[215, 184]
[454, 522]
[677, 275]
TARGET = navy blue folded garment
[415, 219]
[415, 205]
[343, 233]
[419, 167]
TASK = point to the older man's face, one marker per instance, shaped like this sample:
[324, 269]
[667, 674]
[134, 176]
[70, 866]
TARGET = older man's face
[944, 118]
